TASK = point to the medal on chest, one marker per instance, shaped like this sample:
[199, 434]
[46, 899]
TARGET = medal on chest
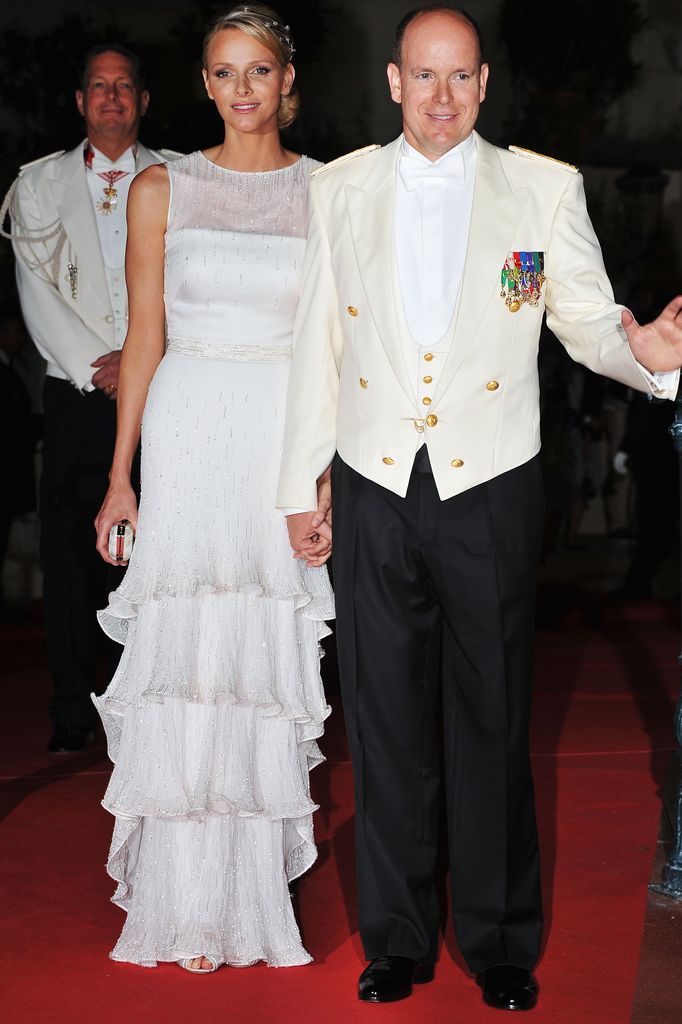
[109, 201]
[522, 278]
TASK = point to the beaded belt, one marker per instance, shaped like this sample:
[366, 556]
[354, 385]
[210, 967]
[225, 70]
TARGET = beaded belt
[233, 353]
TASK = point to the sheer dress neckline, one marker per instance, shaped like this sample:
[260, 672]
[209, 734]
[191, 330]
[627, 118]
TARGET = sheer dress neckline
[231, 170]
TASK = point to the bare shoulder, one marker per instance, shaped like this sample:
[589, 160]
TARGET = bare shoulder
[149, 199]
[150, 190]
[151, 181]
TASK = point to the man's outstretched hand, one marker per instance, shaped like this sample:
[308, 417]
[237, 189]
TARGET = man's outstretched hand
[658, 345]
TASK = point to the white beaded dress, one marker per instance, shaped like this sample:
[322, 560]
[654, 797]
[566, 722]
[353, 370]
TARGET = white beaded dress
[213, 714]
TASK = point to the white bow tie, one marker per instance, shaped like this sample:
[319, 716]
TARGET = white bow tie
[100, 164]
[106, 167]
[413, 173]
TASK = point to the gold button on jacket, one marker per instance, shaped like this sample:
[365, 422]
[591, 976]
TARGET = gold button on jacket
[428, 356]
[457, 463]
[352, 310]
[492, 385]
[426, 400]
[428, 379]
[431, 420]
[388, 461]
[363, 382]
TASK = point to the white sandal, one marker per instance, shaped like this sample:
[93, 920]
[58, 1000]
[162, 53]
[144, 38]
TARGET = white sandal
[186, 961]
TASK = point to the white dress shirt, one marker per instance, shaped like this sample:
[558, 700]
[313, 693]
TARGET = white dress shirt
[432, 217]
[111, 228]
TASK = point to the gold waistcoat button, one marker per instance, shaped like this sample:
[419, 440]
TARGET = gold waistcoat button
[428, 356]
[492, 385]
[388, 461]
[363, 382]
[427, 379]
[352, 310]
[457, 463]
[426, 400]
[431, 420]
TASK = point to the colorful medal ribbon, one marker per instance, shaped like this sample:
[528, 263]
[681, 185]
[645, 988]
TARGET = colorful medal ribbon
[110, 200]
[522, 278]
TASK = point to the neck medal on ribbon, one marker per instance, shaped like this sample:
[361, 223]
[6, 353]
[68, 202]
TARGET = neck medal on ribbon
[522, 278]
[110, 201]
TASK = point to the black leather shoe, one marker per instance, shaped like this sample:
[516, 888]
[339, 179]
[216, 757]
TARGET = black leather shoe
[69, 741]
[508, 988]
[389, 978]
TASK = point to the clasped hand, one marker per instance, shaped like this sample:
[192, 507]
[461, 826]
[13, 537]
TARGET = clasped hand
[106, 376]
[310, 533]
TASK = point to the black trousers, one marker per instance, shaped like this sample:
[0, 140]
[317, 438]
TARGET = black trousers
[435, 601]
[80, 431]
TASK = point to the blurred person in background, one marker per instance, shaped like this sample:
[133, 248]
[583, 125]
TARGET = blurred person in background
[68, 231]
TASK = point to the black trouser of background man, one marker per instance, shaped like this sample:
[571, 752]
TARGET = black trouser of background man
[438, 595]
[80, 430]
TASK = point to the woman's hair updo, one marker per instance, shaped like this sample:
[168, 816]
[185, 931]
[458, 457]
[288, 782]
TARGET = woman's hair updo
[262, 23]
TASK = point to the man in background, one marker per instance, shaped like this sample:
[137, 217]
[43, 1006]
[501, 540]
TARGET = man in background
[68, 230]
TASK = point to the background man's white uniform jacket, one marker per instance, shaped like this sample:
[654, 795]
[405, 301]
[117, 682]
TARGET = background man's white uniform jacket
[54, 228]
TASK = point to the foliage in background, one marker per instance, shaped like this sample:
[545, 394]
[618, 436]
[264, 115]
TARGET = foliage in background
[639, 247]
[569, 63]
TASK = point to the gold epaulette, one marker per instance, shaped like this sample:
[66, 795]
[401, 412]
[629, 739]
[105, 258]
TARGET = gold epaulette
[345, 157]
[41, 160]
[520, 151]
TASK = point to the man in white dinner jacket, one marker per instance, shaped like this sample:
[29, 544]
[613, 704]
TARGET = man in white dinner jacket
[429, 265]
[68, 230]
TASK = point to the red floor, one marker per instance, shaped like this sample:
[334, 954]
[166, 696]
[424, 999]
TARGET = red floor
[607, 681]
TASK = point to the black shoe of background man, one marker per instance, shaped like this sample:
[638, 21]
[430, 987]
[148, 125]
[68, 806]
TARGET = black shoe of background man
[506, 987]
[389, 978]
[70, 741]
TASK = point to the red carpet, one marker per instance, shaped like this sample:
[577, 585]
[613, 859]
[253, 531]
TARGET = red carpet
[602, 736]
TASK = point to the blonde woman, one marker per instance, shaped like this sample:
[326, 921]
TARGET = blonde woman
[213, 715]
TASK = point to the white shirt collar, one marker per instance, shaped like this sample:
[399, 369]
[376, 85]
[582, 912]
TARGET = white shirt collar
[462, 149]
[434, 200]
[126, 161]
[452, 167]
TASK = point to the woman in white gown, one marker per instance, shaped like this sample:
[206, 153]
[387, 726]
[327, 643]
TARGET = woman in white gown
[213, 714]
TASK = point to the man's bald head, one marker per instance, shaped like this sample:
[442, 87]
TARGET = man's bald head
[418, 12]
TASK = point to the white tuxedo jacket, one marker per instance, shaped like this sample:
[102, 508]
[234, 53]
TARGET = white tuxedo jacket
[350, 390]
[68, 312]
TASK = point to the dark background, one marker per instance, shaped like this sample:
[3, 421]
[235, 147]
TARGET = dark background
[597, 83]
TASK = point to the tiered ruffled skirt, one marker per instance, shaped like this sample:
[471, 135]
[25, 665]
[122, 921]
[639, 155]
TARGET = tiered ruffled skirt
[214, 712]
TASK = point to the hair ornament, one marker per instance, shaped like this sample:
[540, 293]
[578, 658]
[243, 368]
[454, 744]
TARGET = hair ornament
[283, 32]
